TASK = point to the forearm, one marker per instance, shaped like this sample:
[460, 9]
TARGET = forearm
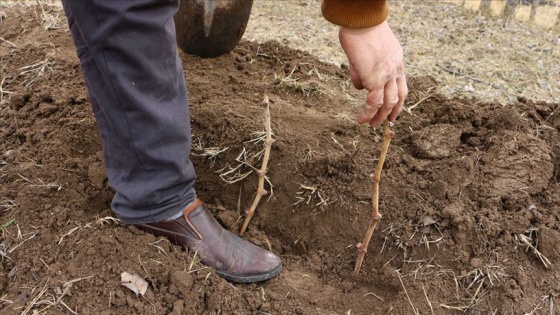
[355, 13]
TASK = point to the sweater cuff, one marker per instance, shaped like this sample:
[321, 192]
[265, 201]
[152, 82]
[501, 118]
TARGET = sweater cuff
[355, 13]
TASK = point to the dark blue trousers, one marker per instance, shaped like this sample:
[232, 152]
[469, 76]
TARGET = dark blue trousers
[128, 54]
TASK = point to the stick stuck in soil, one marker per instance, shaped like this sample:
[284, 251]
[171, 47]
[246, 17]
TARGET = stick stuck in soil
[262, 172]
[375, 216]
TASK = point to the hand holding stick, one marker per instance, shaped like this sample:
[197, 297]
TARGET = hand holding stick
[375, 216]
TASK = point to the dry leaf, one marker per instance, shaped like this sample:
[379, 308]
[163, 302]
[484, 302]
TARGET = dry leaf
[134, 282]
[428, 220]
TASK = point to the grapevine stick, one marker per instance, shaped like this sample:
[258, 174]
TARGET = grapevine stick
[375, 215]
[262, 172]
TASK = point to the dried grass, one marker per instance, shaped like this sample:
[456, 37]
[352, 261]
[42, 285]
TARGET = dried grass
[414, 309]
[29, 3]
[43, 301]
[545, 17]
[7, 204]
[307, 194]
[529, 239]
[245, 161]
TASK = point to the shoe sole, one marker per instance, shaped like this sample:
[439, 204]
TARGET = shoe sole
[250, 279]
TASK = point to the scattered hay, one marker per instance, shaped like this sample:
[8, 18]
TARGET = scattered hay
[244, 162]
[307, 194]
[4, 252]
[233, 174]
[529, 239]
[306, 88]
[7, 204]
[43, 300]
[211, 153]
[414, 309]
[50, 16]
[106, 220]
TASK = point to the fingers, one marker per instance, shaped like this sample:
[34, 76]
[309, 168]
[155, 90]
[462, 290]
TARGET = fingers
[376, 63]
[373, 103]
[356, 80]
[384, 104]
[403, 93]
[390, 100]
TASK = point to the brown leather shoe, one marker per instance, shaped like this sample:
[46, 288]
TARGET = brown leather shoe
[234, 258]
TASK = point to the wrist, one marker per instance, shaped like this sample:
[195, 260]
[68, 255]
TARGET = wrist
[362, 30]
[355, 13]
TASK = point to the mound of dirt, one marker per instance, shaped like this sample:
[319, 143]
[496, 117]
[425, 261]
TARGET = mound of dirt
[469, 193]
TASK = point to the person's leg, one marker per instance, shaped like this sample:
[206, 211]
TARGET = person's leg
[128, 54]
[134, 76]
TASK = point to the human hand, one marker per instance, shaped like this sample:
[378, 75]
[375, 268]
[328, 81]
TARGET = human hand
[376, 64]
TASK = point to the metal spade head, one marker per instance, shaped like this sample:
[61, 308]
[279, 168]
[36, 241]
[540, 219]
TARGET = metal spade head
[209, 28]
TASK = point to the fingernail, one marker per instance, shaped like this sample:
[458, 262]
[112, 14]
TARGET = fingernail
[362, 119]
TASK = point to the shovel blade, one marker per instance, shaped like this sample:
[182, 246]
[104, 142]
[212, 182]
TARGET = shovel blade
[210, 28]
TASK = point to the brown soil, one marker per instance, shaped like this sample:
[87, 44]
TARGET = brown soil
[469, 193]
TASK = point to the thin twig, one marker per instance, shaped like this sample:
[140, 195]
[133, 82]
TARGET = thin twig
[35, 299]
[18, 245]
[406, 293]
[262, 172]
[411, 107]
[375, 216]
[427, 299]
[7, 41]
[192, 261]
[527, 241]
[377, 296]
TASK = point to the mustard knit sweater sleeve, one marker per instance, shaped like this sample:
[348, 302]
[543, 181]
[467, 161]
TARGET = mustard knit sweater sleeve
[355, 13]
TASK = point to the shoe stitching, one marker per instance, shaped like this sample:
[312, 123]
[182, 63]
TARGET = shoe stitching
[190, 209]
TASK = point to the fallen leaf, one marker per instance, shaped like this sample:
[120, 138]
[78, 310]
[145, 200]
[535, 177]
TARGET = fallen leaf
[134, 282]
[428, 220]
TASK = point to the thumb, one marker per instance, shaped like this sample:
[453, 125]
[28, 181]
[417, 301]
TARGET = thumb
[363, 117]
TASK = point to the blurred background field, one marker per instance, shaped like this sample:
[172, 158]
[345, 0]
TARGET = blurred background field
[486, 56]
[546, 13]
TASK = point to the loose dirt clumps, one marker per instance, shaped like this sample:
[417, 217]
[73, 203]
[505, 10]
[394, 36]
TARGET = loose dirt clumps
[469, 193]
